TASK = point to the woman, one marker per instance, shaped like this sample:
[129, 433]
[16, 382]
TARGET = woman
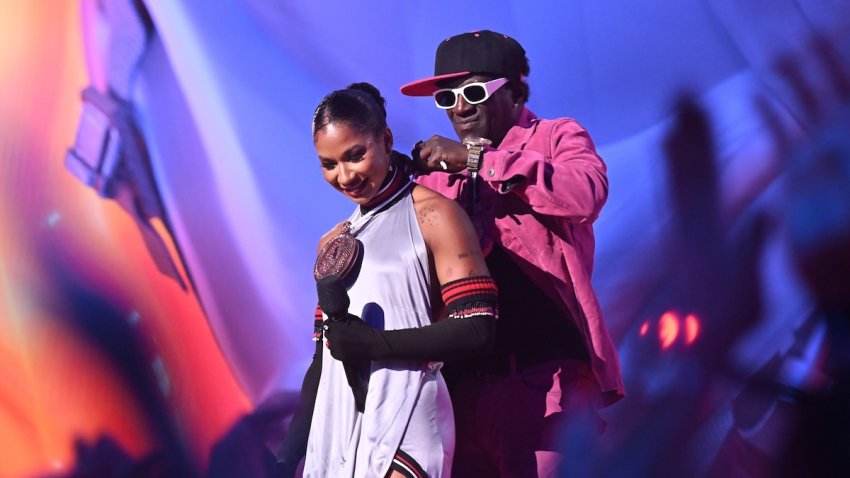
[373, 400]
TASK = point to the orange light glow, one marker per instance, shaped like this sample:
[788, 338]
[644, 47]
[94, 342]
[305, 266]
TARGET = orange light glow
[644, 328]
[692, 327]
[54, 387]
[668, 329]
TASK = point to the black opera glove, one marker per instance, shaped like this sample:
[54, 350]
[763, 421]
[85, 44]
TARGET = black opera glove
[353, 339]
[333, 297]
[469, 330]
[334, 302]
[348, 337]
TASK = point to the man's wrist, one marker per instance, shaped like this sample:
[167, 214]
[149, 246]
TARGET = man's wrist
[475, 151]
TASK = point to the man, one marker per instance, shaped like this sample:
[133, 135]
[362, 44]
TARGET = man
[533, 188]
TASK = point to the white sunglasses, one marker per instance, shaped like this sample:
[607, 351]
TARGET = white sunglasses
[473, 93]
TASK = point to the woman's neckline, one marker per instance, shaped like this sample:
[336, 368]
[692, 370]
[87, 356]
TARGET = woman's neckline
[395, 181]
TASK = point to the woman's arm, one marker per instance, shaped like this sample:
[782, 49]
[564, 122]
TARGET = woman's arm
[294, 445]
[468, 291]
[449, 236]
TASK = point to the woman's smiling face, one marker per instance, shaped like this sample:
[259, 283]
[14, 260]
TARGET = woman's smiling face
[353, 162]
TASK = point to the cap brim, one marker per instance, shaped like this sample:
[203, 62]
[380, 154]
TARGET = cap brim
[427, 86]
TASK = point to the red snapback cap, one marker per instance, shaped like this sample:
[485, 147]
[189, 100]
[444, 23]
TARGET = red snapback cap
[480, 52]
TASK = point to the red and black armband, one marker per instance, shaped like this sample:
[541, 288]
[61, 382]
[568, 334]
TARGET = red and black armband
[471, 297]
[318, 319]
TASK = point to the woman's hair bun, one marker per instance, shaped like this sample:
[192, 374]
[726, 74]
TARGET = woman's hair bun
[369, 89]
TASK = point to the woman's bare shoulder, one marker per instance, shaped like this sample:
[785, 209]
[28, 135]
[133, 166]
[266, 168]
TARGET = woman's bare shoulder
[449, 235]
[438, 215]
[433, 205]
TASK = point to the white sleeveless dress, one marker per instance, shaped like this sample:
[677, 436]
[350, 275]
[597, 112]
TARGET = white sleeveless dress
[407, 405]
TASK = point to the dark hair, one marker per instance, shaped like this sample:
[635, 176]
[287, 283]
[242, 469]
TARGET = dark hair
[360, 106]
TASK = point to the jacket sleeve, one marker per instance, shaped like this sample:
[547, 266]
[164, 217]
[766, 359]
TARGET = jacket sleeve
[557, 172]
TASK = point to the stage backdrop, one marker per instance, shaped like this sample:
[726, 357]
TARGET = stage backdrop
[221, 95]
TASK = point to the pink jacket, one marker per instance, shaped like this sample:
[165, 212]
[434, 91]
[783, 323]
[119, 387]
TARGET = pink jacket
[546, 187]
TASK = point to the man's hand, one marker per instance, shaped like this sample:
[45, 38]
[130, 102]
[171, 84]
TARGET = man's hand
[439, 153]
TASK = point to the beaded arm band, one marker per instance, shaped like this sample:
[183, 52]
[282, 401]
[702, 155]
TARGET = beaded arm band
[318, 318]
[471, 297]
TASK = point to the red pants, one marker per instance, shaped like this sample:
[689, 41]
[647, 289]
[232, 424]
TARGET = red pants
[508, 426]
